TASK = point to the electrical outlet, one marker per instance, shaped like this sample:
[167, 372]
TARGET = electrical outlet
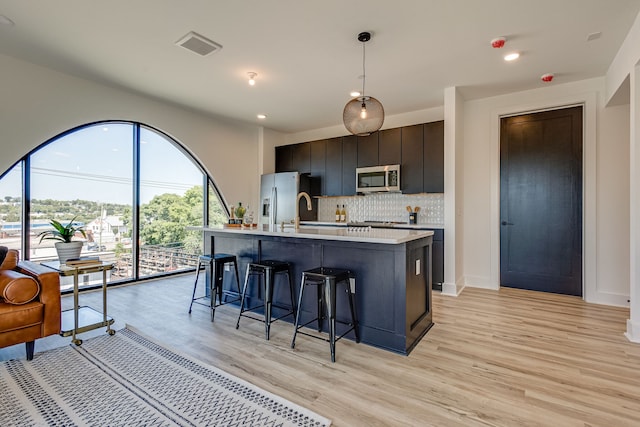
[352, 284]
[227, 267]
[418, 267]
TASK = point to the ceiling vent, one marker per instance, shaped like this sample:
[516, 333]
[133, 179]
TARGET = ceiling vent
[198, 44]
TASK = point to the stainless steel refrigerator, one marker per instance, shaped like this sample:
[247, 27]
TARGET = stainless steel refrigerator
[278, 193]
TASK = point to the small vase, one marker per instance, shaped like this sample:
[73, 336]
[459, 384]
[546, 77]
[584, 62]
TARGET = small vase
[68, 250]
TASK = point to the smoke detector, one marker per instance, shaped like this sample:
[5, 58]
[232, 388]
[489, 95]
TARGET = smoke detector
[498, 43]
[198, 44]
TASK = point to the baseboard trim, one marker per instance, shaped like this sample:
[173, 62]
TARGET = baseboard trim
[633, 331]
[452, 289]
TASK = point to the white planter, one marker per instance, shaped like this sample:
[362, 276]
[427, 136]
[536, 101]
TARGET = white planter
[68, 250]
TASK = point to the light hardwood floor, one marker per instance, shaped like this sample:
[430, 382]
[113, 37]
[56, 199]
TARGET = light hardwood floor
[493, 358]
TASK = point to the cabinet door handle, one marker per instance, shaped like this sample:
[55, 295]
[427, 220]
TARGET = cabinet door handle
[506, 223]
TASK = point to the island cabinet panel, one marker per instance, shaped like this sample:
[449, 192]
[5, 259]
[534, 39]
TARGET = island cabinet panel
[349, 164]
[411, 168]
[284, 159]
[393, 303]
[390, 147]
[333, 168]
[438, 259]
[367, 150]
[434, 157]
[301, 157]
[318, 162]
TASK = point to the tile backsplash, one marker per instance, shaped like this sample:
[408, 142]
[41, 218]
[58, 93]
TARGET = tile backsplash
[384, 207]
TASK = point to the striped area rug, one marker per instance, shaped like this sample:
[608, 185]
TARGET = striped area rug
[128, 380]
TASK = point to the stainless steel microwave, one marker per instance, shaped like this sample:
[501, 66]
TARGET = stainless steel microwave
[378, 179]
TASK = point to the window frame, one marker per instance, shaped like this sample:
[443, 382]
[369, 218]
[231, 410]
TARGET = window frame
[208, 185]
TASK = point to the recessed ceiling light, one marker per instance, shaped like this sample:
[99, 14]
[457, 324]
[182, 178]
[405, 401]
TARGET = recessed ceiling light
[354, 94]
[252, 78]
[105, 129]
[261, 116]
[6, 21]
[512, 56]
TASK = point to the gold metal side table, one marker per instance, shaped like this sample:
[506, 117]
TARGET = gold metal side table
[83, 319]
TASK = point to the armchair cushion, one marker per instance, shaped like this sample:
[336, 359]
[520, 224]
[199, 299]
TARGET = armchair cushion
[18, 288]
[10, 259]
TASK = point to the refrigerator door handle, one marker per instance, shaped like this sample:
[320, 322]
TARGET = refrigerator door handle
[273, 214]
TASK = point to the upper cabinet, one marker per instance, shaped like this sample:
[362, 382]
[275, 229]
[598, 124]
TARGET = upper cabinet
[411, 168]
[390, 146]
[367, 151]
[283, 159]
[419, 149]
[332, 185]
[434, 157]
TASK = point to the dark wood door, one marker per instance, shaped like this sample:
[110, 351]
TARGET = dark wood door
[541, 201]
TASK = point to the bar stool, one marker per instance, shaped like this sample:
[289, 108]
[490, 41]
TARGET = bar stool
[216, 266]
[326, 280]
[266, 270]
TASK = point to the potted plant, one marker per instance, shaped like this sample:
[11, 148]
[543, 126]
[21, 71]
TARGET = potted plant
[66, 247]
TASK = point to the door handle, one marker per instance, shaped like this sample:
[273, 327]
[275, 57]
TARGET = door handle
[506, 223]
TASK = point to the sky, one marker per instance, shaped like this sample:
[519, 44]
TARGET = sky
[95, 163]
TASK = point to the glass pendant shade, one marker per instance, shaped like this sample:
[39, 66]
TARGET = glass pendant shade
[363, 115]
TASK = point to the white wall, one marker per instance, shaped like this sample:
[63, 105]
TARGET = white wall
[37, 104]
[606, 184]
[390, 122]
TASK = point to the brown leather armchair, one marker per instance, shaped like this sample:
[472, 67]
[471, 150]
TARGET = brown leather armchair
[29, 302]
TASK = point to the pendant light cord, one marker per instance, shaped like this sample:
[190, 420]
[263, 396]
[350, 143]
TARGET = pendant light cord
[363, 69]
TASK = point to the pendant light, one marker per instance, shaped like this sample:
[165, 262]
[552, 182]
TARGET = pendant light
[364, 114]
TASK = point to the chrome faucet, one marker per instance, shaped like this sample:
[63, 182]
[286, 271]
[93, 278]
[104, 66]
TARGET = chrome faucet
[309, 207]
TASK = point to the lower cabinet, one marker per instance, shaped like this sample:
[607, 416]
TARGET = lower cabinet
[437, 260]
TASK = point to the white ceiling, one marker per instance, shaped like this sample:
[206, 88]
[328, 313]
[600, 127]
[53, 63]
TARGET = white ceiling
[307, 55]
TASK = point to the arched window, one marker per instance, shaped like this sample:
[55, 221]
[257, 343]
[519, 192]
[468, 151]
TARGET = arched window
[133, 188]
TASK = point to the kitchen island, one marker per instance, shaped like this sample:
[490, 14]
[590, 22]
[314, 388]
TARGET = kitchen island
[392, 271]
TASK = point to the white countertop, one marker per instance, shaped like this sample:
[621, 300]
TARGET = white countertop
[343, 224]
[349, 234]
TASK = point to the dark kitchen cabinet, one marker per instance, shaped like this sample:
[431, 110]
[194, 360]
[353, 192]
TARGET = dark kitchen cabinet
[411, 168]
[434, 157]
[349, 164]
[437, 260]
[284, 159]
[301, 157]
[333, 168]
[390, 147]
[418, 149]
[318, 162]
[367, 150]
